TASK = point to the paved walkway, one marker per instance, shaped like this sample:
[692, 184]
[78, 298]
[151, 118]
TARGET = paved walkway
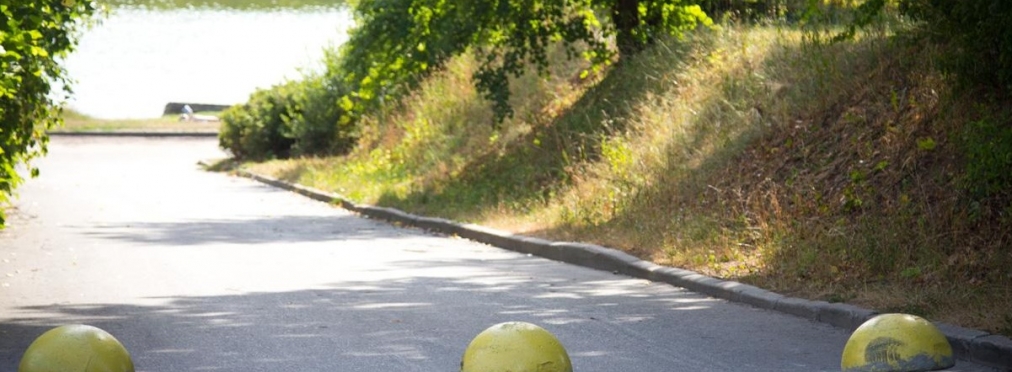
[196, 271]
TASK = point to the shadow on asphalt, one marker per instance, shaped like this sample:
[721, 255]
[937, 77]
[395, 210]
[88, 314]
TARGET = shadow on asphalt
[258, 230]
[411, 316]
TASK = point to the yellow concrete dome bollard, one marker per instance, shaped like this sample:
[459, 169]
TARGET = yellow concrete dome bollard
[897, 343]
[515, 347]
[76, 348]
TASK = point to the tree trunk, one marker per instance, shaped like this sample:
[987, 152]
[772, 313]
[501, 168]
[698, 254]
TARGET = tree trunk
[625, 15]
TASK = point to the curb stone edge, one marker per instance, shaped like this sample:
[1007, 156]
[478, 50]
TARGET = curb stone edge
[967, 344]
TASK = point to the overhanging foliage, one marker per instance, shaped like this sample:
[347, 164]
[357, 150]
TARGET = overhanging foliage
[399, 41]
[33, 34]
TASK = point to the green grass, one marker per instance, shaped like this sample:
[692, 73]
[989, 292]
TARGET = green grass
[827, 171]
[77, 122]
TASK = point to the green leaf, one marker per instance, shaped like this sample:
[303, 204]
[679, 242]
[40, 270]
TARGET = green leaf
[39, 52]
[346, 103]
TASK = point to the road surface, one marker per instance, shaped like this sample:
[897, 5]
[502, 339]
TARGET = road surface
[198, 271]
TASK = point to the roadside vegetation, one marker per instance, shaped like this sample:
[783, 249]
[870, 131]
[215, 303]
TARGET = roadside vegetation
[872, 170]
[34, 35]
[77, 122]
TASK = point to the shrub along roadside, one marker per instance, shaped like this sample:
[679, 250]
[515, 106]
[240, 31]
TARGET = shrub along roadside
[291, 119]
[254, 130]
[976, 34]
[973, 36]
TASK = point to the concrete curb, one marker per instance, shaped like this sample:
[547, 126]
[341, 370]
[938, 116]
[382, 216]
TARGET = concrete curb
[968, 344]
[132, 134]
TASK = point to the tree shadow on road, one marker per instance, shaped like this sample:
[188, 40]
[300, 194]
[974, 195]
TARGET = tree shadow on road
[258, 230]
[419, 315]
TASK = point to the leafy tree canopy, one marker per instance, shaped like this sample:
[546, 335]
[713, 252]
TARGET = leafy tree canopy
[398, 42]
[33, 35]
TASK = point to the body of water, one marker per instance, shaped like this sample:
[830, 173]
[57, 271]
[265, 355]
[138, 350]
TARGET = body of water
[140, 58]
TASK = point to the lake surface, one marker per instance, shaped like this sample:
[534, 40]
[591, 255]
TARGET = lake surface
[141, 57]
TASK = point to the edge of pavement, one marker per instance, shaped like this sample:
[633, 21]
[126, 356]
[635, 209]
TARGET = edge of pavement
[967, 344]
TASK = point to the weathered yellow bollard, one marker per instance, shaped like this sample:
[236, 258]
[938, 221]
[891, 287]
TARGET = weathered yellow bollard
[897, 343]
[515, 347]
[76, 348]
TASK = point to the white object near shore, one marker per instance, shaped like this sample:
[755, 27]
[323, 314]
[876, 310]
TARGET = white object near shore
[188, 115]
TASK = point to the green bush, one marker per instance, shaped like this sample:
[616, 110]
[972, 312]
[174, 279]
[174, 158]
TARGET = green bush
[292, 119]
[975, 33]
[979, 34]
[255, 129]
[988, 151]
[314, 121]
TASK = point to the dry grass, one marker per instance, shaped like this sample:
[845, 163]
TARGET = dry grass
[833, 172]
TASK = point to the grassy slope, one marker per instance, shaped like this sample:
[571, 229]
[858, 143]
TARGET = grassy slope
[825, 171]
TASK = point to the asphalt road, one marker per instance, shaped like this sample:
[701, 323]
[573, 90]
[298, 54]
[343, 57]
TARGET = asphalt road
[197, 271]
